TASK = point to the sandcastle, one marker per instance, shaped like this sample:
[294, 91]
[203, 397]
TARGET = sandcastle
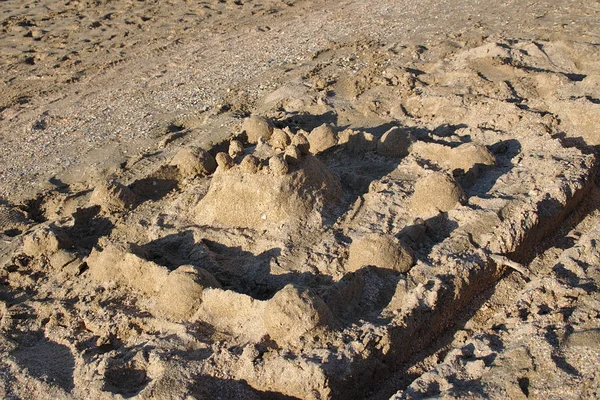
[274, 184]
[435, 251]
[303, 261]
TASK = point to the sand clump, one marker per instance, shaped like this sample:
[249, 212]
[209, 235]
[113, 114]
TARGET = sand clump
[250, 164]
[294, 312]
[278, 166]
[255, 127]
[394, 143]
[280, 139]
[322, 138]
[224, 161]
[436, 192]
[236, 149]
[292, 154]
[381, 251]
[301, 142]
[194, 161]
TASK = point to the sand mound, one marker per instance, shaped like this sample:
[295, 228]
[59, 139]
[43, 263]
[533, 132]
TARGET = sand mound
[269, 197]
[322, 138]
[293, 313]
[180, 295]
[113, 196]
[194, 161]
[45, 241]
[436, 192]
[394, 143]
[255, 127]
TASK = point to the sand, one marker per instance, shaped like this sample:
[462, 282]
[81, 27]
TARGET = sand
[297, 199]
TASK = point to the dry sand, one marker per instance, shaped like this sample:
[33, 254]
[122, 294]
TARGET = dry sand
[298, 199]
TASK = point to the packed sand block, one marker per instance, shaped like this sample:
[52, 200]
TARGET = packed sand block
[381, 251]
[269, 197]
[192, 161]
[113, 196]
[255, 127]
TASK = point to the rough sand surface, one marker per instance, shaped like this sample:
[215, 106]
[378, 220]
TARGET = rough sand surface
[297, 199]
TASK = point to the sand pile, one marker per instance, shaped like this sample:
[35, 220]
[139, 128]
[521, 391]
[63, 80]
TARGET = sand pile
[272, 186]
[278, 251]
